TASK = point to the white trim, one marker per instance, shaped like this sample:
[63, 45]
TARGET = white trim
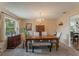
[16, 24]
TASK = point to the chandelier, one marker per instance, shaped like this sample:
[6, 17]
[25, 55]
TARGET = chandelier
[40, 19]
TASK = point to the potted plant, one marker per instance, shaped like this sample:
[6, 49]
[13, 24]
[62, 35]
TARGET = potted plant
[25, 32]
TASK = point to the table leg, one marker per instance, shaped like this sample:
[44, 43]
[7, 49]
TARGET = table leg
[26, 46]
[57, 44]
[23, 44]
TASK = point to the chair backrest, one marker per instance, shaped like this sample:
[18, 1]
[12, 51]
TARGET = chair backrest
[30, 33]
[59, 34]
[36, 34]
[55, 33]
[44, 34]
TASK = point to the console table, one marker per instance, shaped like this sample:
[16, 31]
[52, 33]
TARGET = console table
[13, 41]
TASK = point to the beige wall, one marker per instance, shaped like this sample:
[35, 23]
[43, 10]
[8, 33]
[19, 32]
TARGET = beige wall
[50, 25]
[1, 28]
[65, 28]
[22, 24]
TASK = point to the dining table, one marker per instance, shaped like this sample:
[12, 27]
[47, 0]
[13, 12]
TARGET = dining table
[44, 38]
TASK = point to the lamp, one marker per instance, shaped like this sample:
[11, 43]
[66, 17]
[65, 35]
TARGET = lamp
[60, 24]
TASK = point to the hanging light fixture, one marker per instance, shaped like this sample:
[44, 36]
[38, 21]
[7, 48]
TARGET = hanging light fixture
[41, 18]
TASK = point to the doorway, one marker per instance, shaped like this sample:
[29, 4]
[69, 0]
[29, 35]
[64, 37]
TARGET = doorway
[74, 31]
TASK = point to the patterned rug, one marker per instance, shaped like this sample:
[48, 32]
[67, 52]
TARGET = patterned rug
[63, 51]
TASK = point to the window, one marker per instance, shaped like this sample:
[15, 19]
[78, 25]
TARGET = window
[12, 27]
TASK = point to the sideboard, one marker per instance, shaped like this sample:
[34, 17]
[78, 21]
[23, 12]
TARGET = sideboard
[13, 41]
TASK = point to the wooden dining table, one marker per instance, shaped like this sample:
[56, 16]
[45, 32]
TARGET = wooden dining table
[48, 37]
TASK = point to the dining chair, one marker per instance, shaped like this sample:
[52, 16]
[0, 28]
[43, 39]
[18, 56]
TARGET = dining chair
[44, 33]
[41, 44]
[76, 38]
[36, 34]
[30, 33]
[58, 35]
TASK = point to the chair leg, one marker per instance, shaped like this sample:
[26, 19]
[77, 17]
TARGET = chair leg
[23, 45]
[50, 48]
[77, 42]
[26, 49]
[32, 49]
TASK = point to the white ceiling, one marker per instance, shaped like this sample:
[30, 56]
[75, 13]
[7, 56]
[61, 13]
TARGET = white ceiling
[31, 10]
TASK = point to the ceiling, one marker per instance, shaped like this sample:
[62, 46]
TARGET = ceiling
[31, 10]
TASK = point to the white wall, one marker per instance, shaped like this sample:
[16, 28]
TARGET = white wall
[65, 28]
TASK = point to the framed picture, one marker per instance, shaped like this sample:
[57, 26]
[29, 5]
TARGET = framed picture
[29, 26]
[40, 28]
